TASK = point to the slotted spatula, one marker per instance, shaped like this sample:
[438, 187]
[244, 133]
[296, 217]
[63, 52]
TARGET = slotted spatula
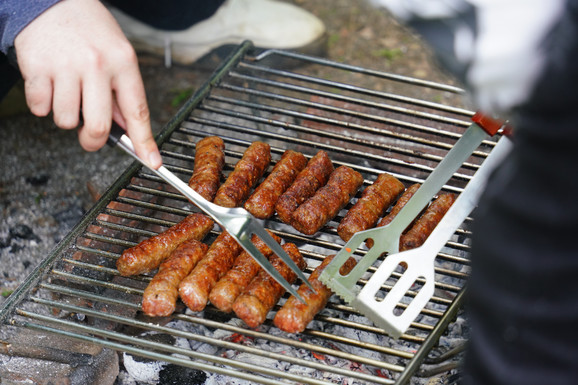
[237, 221]
[418, 264]
[386, 238]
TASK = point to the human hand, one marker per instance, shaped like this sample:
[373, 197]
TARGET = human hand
[74, 57]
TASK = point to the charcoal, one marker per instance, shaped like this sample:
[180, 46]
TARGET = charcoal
[178, 375]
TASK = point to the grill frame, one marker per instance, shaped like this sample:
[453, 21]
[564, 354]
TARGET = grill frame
[12, 312]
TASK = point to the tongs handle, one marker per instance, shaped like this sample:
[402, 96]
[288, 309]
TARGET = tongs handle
[236, 228]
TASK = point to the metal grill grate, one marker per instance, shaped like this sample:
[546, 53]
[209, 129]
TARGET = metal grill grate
[385, 123]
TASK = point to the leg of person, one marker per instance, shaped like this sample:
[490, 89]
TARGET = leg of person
[191, 29]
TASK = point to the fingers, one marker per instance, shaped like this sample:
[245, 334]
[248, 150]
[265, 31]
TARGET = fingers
[66, 101]
[132, 103]
[96, 112]
[38, 92]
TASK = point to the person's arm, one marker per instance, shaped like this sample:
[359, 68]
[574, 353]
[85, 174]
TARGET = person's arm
[74, 57]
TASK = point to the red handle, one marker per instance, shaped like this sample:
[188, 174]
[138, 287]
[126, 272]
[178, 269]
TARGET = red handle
[490, 125]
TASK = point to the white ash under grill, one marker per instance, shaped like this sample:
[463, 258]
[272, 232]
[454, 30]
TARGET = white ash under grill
[78, 292]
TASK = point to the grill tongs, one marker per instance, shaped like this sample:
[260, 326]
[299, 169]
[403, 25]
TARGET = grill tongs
[416, 264]
[237, 221]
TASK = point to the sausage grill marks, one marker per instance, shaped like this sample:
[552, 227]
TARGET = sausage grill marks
[195, 288]
[294, 316]
[372, 204]
[310, 179]
[245, 176]
[264, 292]
[160, 296]
[424, 225]
[312, 215]
[208, 167]
[235, 280]
[262, 202]
[150, 253]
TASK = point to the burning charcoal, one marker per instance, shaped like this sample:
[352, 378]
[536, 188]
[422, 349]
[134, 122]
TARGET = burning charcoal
[22, 232]
[38, 180]
[177, 375]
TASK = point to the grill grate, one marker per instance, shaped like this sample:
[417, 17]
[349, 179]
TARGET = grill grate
[384, 123]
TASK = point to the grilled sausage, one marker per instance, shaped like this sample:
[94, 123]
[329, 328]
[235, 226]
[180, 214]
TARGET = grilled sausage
[309, 180]
[375, 199]
[405, 197]
[424, 226]
[235, 280]
[262, 202]
[263, 292]
[294, 316]
[160, 296]
[209, 162]
[327, 201]
[150, 253]
[246, 174]
[195, 288]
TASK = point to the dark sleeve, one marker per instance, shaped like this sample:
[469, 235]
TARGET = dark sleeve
[17, 14]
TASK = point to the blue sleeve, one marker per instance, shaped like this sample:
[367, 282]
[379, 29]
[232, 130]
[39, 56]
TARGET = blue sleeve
[17, 14]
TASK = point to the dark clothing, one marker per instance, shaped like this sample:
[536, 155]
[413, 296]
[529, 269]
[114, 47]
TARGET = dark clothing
[170, 15]
[523, 289]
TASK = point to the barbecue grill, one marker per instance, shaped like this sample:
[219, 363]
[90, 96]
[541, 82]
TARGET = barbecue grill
[386, 123]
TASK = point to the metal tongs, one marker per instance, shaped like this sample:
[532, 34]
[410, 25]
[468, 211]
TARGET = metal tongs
[417, 263]
[237, 221]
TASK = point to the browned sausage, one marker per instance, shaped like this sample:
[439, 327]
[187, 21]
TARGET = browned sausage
[405, 197]
[262, 202]
[312, 215]
[294, 316]
[195, 288]
[160, 296]
[209, 162]
[309, 180]
[235, 280]
[150, 253]
[263, 292]
[245, 176]
[375, 199]
[424, 226]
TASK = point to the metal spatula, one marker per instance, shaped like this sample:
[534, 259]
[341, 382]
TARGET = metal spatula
[418, 264]
[237, 221]
[386, 238]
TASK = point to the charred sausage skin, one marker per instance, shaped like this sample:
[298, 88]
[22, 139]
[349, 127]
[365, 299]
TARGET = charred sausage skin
[294, 316]
[402, 201]
[424, 225]
[264, 292]
[160, 296]
[262, 202]
[195, 288]
[248, 170]
[310, 179]
[150, 253]
[312, 215]
[372, 204]
[232, 284]
[208, 167]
